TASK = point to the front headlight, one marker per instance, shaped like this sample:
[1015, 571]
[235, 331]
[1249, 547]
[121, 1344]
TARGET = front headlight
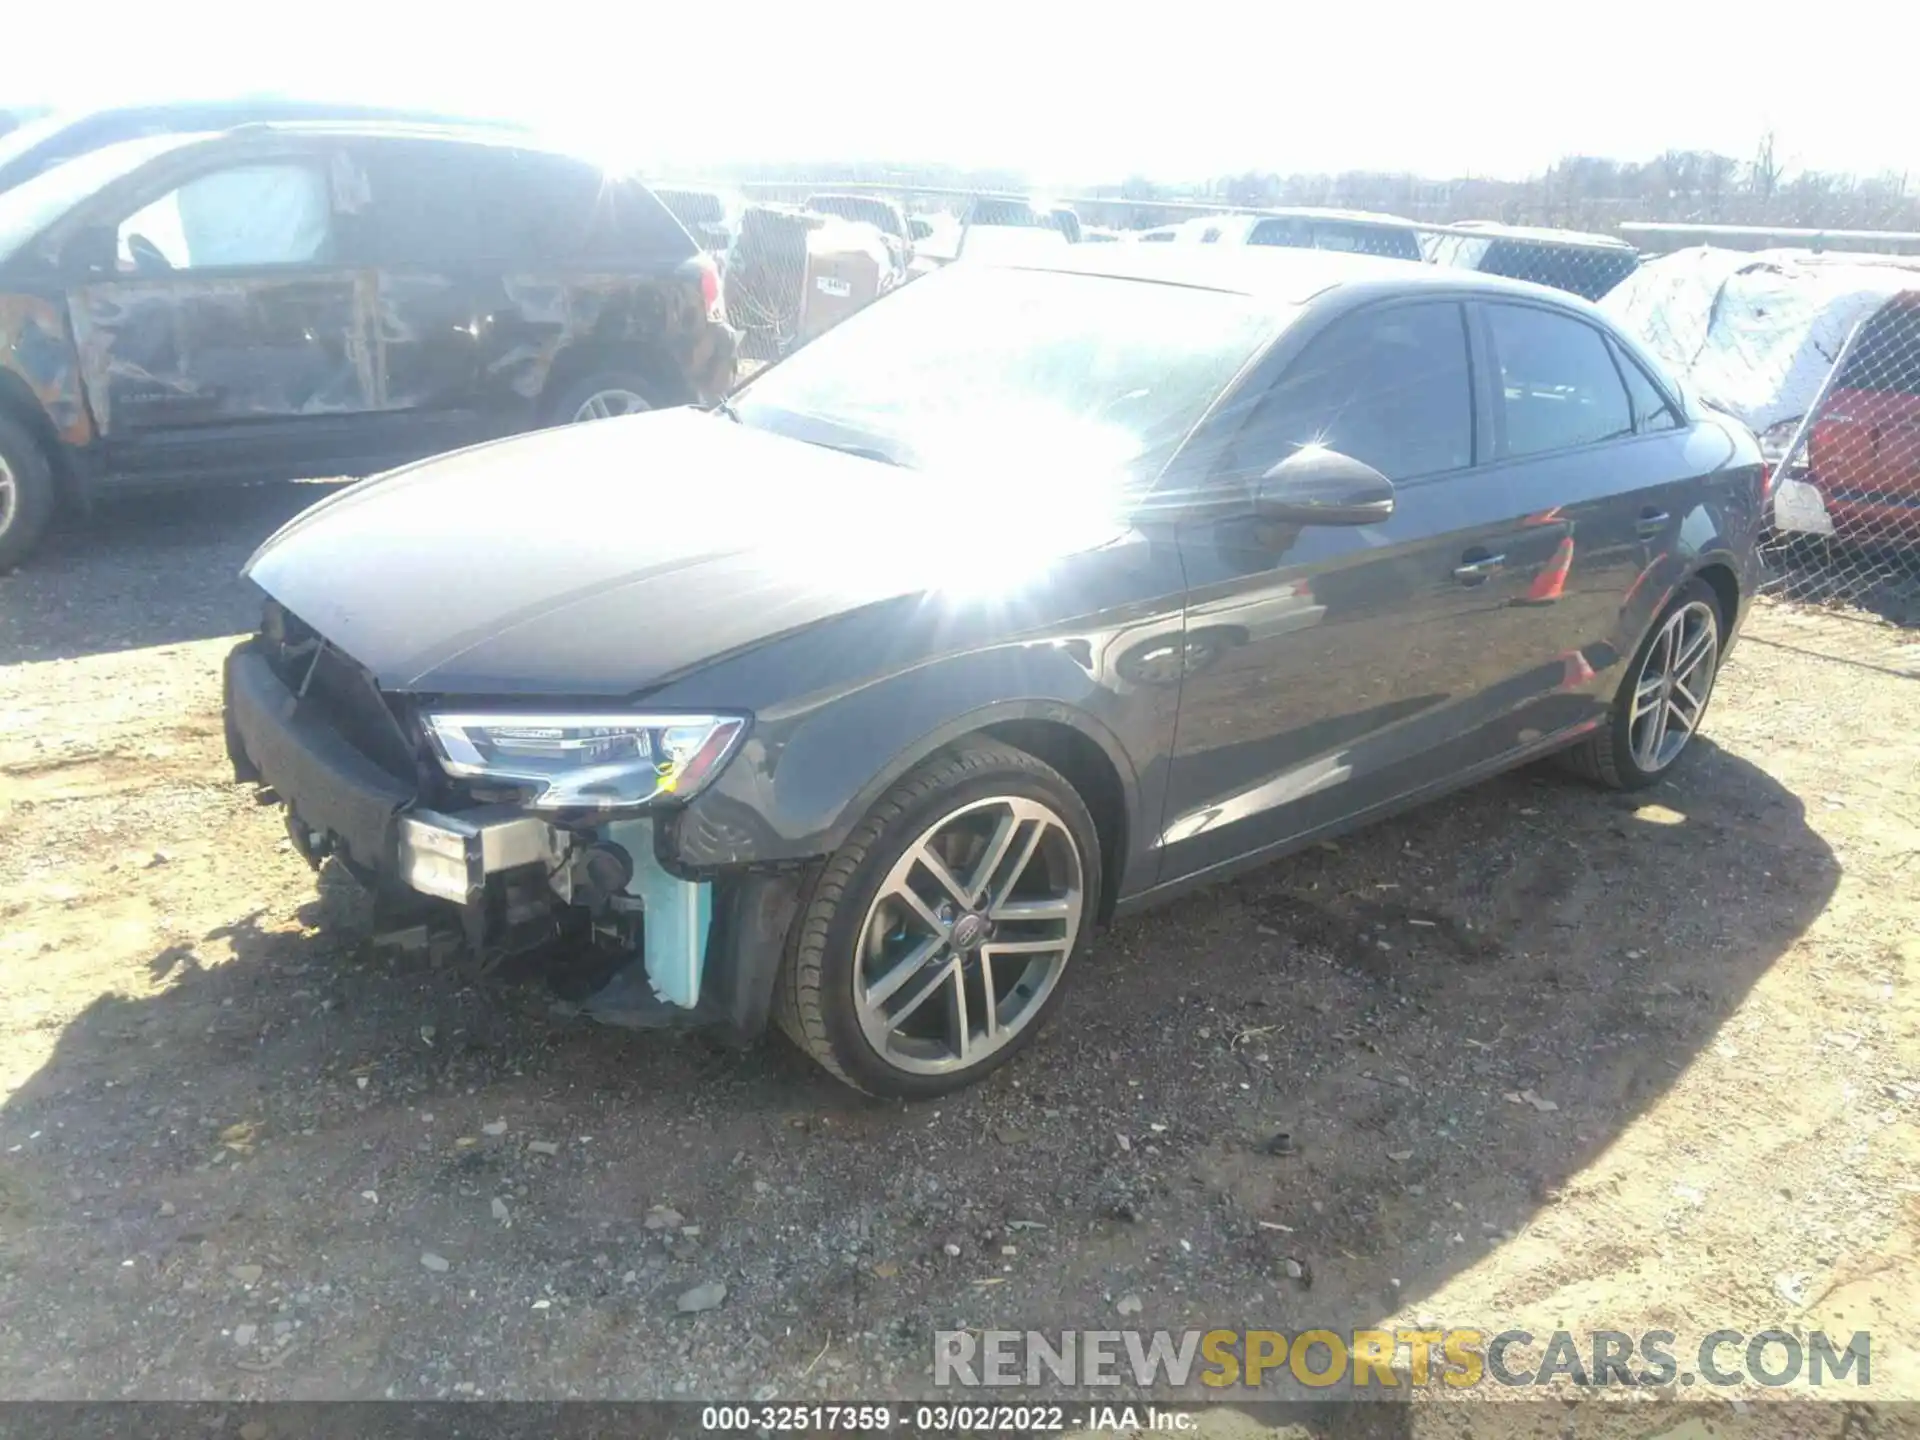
[587, 762]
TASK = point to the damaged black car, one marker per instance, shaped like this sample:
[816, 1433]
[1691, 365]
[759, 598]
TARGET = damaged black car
[1026, 597]
[284, 301]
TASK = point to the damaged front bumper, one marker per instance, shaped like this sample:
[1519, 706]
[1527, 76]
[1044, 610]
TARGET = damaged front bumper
[516, 883]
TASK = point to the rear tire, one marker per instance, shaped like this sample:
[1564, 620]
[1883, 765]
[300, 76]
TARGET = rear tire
[28, 497]
[878, 989]
[614, 392]
[1663, 698]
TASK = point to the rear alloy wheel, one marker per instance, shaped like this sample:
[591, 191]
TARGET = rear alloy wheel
[936, 939]
[604, 395]
[605, 404]
[1663, 699]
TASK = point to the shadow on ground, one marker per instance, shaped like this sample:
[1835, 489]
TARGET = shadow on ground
[145, 570]
[402, 1181]
[1880, 581]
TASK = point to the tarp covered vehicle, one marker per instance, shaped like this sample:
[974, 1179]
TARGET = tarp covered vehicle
[1759, 335]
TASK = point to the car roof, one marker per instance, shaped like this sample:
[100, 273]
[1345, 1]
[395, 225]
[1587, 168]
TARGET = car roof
[504, 137]
[1284, 274]
[466, 132]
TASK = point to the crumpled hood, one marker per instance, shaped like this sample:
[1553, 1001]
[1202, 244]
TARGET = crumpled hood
[602, 559]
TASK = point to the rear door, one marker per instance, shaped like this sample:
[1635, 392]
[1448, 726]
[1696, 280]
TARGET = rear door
[437, 290]
[1332, 669]
[230, 333]
[1595, 453]
[589, 272]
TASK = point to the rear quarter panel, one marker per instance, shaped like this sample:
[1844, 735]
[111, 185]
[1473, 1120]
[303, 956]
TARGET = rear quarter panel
[603, 318]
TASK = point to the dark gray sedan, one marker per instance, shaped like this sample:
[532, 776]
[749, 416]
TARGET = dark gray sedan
[1028, 596]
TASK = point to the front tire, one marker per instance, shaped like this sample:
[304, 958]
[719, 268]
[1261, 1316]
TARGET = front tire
[934, 943]
[1663, 699]
[27, 495]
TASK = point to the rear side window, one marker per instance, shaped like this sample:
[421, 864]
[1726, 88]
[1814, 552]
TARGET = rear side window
[1558, 386]
[1651, 408]
[423, 205]
[445, 204]
[1391, 387]
[1887, 354]
[552, 209]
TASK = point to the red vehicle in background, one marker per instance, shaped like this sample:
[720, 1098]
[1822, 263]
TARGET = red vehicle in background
[1864, 450]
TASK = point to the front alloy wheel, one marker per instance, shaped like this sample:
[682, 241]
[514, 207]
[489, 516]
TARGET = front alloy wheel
[934, 942]
[969, 935]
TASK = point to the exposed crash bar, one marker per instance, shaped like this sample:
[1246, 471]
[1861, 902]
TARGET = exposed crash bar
[450, 856]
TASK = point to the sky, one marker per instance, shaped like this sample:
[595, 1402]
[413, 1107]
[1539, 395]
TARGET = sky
[1066, 92]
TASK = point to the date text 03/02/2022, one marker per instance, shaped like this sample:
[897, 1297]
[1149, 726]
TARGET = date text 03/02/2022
[938, 1418]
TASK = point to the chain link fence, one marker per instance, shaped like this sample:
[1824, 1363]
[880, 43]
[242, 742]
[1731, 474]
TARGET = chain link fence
[1820, 355]
[1818, 352]
[1847, 486]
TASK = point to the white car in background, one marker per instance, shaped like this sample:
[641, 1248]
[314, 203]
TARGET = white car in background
[1755, 335]
[1300, 228]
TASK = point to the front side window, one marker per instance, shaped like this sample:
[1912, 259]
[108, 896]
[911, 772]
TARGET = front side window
[268, 214]
[1391, 387]
[1558, 386]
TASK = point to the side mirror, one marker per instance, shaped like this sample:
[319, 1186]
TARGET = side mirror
[1318, 486]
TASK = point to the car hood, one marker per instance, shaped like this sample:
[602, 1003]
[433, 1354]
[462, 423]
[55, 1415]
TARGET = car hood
[606, 558]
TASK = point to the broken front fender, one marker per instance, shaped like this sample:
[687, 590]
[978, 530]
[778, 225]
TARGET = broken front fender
[37, 356]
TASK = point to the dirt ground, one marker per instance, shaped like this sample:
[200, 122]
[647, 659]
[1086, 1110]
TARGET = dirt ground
[1546, 1057]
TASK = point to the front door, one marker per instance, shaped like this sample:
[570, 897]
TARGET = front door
[225, 334]
[1334, 669]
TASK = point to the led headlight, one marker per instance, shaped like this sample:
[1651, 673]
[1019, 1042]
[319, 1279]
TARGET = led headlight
[587, 762]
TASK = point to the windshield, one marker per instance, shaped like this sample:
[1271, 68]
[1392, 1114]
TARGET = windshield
[33, 205]
[1004, 374]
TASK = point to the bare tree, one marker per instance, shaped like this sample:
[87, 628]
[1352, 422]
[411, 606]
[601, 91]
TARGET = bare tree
[1764, 177]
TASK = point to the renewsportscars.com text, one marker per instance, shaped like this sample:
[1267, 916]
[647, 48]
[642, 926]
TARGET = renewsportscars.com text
[1458, 1358]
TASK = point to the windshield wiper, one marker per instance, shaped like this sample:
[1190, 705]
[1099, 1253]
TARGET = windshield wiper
[725, 408]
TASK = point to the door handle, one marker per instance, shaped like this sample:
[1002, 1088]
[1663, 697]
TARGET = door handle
[1476, 566]
[1652, 522]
